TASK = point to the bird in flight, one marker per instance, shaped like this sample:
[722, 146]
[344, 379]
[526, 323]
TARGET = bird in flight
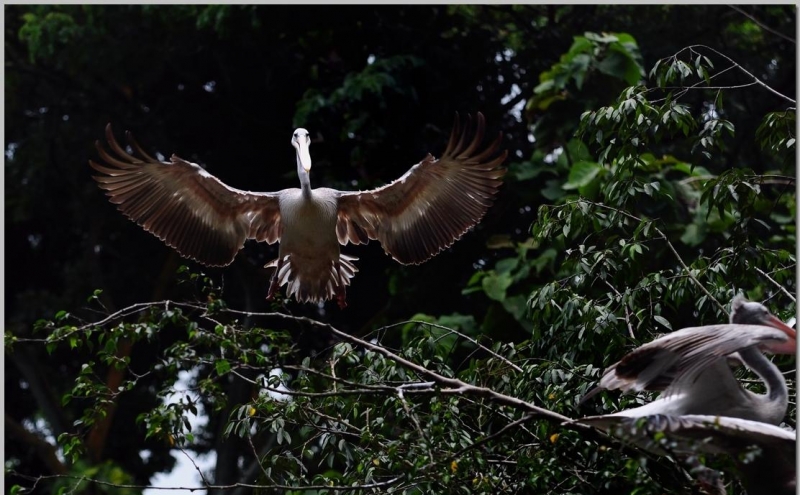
[414, 218]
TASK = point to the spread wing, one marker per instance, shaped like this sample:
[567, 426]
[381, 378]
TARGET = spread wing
[676, 359]
[183, 205]
[432, 205]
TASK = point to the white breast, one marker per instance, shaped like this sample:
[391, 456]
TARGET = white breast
[309, 224]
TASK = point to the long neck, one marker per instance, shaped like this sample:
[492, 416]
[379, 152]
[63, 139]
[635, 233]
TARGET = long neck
[305, 180]
[777, 393]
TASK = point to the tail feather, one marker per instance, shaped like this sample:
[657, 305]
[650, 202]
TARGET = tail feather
[311, 280]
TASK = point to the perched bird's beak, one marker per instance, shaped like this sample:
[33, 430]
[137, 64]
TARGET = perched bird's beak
[788, 347]
[774, 321]
[300, 141]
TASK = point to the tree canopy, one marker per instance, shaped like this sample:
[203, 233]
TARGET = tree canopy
[651, 178]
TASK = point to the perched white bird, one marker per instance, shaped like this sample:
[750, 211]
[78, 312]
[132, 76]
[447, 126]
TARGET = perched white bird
[690, 367]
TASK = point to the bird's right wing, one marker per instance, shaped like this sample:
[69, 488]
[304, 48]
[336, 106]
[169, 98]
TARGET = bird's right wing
[185, 206]
[676, 359]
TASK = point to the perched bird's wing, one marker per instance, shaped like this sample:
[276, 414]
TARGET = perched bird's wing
[185, 206]
[675, 360]
[764, 453]
[713, 434]
[432, 205]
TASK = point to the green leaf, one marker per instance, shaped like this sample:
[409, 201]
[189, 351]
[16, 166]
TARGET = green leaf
[495, 285]
[622, 66]
[222, 366]
[663, 321]
[581, 174]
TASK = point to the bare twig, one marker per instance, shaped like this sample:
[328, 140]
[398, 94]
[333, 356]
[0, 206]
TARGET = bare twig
[755, 79]
[276, 486]
[197, 468]
[257, 461]
[498, 433]
[369, 389]
[762, 25]
[414, 419]
[761, 179]
[627, 312]
[463, 336]
[779, 286]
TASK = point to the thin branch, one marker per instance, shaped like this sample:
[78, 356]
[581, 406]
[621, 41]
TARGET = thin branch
[199, 471]
[627, 312]
[698, 86]
[44, 450]
[757, 80]
[467, 337]
[370, 390]
[498, 433]
[257, 461]
[761, 179]
[340, 421]
[452, 385]
[456, 385]
[336, 488]
[779, 286]
[762, 25]
[415, 420]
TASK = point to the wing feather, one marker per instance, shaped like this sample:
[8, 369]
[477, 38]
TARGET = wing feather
[183, 205]
[433, 204]
[676, 359]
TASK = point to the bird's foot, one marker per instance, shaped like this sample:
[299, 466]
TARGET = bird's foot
[273, 286]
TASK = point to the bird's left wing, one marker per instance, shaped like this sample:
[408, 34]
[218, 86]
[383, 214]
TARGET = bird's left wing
[432, 205]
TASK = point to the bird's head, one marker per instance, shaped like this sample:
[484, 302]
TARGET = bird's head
[301, 141]
[752, 313]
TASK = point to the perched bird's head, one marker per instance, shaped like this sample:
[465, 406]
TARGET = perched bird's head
[752, 313]
[301, 141]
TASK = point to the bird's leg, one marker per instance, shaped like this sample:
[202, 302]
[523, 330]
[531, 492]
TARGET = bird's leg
[708, 480]
[339, 288]
[273, 285]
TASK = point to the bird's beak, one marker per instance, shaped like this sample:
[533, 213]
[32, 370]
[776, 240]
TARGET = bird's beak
[788, 347]
[774, 321]
[303, 155]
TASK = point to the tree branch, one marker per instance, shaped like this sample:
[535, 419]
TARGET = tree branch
[466, 337]
[779, 286]
[276, 486]
[762, 25]
[757, 80]
[45, 451]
